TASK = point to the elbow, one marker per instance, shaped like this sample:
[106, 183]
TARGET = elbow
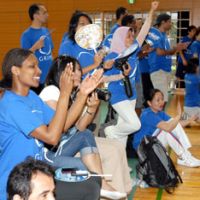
[160, 53]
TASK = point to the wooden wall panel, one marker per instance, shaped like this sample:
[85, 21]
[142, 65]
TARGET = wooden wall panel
[14, 16]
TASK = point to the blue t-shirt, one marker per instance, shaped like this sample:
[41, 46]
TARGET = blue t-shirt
[144, 65]
[149, 121]
[65, 37]
[156, 62]
[195, 48]
[107, 42]
[138, 72]
[116, 88]
[67, 47]
[84, 56]
[192, 88]
[19, 116]
[44, 55]
[188, 52]
[114, 28]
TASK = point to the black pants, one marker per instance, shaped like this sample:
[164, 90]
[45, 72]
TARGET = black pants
[85, 190]
[180, 73]
[146, 85]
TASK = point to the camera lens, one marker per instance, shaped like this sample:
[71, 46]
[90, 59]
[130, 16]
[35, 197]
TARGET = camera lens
[103, 94]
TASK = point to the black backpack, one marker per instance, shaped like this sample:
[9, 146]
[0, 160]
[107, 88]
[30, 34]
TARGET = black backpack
[155, 166]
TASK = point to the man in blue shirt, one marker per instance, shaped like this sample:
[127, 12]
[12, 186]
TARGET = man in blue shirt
[120, 13]
[38, 39]
[159, 59]
[185, 55]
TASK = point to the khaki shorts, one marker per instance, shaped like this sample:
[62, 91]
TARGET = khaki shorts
[160, 80]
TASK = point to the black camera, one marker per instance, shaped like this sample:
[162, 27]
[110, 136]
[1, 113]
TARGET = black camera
[127, 85]
[103, 94]
[121, 62]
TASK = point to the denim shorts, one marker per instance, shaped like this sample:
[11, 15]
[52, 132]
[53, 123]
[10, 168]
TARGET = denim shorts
[71, 143]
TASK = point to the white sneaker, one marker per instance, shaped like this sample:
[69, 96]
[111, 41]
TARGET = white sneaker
[139, 183]
[189, 162]
[195, 159]
[190, 156]
[115, 195]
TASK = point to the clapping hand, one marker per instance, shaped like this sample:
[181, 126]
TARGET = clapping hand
[66, 80]
[91, 82]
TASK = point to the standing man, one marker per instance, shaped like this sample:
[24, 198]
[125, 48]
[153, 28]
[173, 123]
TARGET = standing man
[160, 60]
[120, 13]
[38, 39]
[185, 55]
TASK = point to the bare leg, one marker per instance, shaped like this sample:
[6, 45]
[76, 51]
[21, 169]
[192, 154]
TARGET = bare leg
[93, 163]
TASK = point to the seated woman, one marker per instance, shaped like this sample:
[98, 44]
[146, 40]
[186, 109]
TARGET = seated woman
[192, 89]
[112, 152]
[168, 130]
[26, 123]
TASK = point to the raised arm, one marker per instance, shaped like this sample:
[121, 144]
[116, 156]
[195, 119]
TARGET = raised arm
[87, 86]
[75, 111]
[147, 24]
[51, 134]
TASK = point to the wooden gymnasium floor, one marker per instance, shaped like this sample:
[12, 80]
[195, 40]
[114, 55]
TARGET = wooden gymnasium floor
[190, 189]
